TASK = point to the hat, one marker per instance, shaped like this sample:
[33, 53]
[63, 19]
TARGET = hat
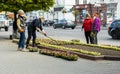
[20, 11]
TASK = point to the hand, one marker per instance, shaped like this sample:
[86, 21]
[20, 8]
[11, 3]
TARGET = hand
[45, 34]
[38, 30]
[21, 30]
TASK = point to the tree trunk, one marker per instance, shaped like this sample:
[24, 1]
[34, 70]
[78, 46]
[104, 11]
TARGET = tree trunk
[15, 28]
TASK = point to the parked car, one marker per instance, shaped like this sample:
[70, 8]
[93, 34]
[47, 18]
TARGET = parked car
[114, 29]
[64, 24]
[4, 23]
[48, 23]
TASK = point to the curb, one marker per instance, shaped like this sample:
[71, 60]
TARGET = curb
[116, 58]
[102, 57]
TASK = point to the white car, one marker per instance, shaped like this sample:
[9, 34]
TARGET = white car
[4, 23]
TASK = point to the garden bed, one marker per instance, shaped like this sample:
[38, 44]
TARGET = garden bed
[103, 51]
[87, 51]
[106, 51]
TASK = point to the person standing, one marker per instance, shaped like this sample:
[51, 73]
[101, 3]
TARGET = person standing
[21, 28]
[96, 27]
[36, 24]
[87, 24]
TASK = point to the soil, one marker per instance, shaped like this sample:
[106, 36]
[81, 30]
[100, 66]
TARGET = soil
[103, 51]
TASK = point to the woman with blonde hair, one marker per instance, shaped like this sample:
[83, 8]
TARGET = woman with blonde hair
[87, 24]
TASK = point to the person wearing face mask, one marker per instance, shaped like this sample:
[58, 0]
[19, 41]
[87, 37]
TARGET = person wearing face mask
[21, 18]
[36, 25]
[87, 24]
[96, 27]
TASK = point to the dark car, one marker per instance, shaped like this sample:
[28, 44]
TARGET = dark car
[64, 24]
[48, 23]
[114, 29]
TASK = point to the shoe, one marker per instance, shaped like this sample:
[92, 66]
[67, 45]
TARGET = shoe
[26, 46]
[24, 50]
[19, 49]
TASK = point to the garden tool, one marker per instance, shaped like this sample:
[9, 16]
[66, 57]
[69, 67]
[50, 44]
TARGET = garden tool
[49, 37]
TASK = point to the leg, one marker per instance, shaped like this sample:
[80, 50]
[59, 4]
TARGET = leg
[28, 39]
[90, 38]
[23, 40]
[86, 36]
[34, 38]
[20, 41]
[95, 38]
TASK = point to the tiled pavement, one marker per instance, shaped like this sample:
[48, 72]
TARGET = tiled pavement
[16, 62]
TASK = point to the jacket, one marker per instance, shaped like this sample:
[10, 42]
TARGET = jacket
[35, 23]
[96, 24]
[87, 24]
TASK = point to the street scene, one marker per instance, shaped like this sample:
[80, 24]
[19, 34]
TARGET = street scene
[59, 37]
[16, 62]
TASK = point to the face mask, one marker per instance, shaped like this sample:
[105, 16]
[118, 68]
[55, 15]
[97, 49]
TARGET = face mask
[94, 17]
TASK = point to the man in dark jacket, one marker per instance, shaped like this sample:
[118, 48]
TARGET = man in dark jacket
[36, 24]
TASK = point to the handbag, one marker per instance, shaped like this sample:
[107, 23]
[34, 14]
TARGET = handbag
[92, 34]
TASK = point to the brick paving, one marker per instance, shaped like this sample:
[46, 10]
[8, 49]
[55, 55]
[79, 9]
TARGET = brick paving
[16, 62]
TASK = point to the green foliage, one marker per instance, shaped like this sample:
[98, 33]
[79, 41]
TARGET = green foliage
[59, 54]
[26, 5]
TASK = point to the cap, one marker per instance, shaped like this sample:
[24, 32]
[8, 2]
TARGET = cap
[20, 11]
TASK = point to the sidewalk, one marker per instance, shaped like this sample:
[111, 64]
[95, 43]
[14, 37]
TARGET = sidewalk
[16, 62]
[102, 27]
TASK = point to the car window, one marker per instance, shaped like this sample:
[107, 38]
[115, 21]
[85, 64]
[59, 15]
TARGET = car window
[69, 21]
[116, 23]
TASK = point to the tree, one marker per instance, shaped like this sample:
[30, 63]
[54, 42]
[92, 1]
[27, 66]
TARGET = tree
[26, 5]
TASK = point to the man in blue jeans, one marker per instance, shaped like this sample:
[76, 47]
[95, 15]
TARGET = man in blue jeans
[36, 24]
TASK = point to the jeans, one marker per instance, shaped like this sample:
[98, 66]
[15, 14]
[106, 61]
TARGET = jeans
[31, 34]
[95, 40]
[21, 42]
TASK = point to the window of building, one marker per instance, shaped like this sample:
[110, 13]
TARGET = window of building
[84, 1]
[101, 0]
[111, 0]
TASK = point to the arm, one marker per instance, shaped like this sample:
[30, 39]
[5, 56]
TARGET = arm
[18, 24]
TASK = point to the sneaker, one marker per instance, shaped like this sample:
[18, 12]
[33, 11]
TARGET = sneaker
[19, 49]
[24, 50]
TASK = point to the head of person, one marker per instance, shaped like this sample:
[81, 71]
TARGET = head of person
[96, 15]
[21, 13]
[42, 18]
[88, 16]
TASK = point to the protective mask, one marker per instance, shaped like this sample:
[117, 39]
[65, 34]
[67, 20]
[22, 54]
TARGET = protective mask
[94, 17]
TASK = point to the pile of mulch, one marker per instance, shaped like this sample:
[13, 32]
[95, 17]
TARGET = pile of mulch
[103, 51]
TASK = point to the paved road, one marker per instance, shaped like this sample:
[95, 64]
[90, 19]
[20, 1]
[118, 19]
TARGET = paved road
[16, 62]
[69, 34]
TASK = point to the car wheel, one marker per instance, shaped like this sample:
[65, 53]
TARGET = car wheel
[6, 28]
[72, 27]
[63, 27]
[54, 26]
[11, 37]
[114, 35]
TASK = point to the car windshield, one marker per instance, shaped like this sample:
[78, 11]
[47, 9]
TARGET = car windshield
[69, 21]
[116, 23]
